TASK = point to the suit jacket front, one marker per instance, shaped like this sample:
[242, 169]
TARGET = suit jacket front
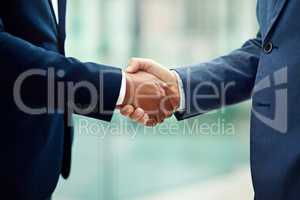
[266, 68]
[35, 149]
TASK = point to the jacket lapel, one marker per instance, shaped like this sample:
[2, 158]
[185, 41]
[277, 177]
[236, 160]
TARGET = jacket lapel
[62, 24]
[68, 135]
[280, 4]
[53, 16]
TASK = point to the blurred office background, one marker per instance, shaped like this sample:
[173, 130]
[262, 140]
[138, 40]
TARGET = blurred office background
[124, 161]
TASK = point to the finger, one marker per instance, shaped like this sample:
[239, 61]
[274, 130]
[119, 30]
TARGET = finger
[165, 107]
[151, 122]
[133, 65]
[161, 87]
[137, 64]
[173, 98]
[137, 115]
[144, 119]
[160, 118]
[167, 113]
[127, 110]
[168, 108]
[153, 68]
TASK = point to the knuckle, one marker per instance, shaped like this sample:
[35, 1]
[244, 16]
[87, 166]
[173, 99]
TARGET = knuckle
[132, 61]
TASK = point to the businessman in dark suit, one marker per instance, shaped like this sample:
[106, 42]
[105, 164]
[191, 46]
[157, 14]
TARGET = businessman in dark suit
[266, 68]
[36, 82]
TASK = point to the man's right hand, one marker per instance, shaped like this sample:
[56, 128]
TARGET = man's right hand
[164, 74]
[146, 99]
[147, 72]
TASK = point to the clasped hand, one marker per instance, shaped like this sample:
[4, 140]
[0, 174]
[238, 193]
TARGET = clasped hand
[152, 93]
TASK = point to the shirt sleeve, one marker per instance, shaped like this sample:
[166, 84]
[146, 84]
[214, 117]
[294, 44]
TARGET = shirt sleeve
[122, 90]
[181, 107]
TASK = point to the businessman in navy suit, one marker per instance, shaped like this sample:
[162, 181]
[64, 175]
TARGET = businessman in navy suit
[41, 88]
[266, 69]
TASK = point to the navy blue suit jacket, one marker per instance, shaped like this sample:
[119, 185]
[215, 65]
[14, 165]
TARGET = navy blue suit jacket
[266, 68]
[36, 149]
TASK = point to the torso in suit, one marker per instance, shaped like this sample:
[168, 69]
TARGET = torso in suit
[36, 149]
[267, 69]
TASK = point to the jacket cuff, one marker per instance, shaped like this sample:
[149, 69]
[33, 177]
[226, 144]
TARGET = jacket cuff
[108, 85]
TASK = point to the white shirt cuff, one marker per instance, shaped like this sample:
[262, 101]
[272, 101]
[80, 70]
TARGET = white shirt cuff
[181, 93]
[55, 8]
[122, 90]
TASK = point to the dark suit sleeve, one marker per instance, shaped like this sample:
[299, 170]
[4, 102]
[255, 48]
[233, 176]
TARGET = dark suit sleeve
[224, 81]
[18, 56]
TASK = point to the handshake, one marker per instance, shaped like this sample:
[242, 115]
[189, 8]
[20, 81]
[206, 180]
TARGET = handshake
[152, 92]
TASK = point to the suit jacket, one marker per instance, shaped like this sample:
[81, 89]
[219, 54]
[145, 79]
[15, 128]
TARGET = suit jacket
[36, 149]
[266, 68]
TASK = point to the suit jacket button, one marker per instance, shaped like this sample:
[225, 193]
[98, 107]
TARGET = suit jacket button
[268, 47]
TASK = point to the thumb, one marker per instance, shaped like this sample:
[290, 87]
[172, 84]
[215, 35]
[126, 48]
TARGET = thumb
[132, 69]
[140, 64]
[133, 66]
